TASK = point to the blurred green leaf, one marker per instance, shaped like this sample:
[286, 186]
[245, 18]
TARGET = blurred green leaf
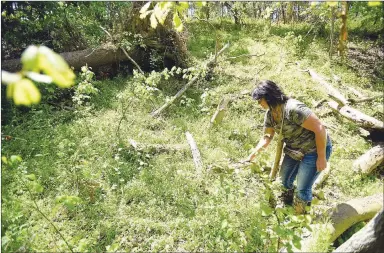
[23, 92]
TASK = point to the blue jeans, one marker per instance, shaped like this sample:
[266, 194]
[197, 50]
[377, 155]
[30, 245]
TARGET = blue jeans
[305, 170]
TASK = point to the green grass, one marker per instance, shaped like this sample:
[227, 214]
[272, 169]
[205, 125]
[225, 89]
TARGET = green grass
[156, 202]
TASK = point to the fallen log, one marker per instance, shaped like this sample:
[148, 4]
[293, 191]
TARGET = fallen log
[323, 176]
[345, 215]
[330, 89]
[102, 55]
[195, 153]
[370, 239]
[156, 148]
[370, 160]
[210, 65]
[356, 116]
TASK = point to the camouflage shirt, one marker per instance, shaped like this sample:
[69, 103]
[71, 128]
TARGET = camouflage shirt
[294, 135]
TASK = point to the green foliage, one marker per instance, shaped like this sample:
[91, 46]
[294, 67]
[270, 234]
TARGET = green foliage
[104, 195]
[85, 89]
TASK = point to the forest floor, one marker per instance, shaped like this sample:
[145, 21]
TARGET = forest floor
[149, 201]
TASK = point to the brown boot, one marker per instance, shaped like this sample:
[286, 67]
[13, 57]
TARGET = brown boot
[300, 205]
[287, 196]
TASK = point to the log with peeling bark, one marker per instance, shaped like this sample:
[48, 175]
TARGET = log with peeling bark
[156, 148]
[330, 89]
[370, 239]
[102, 55]
[210, 65]
[370, 160]
[195, 153]
[356, 116]
[345, 215]
[323, 176]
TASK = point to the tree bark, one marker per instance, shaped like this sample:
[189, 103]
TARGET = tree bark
[370, 160]
[195, 153]
[347, 214]
[369, 239]
[102, 55]
[358, 117]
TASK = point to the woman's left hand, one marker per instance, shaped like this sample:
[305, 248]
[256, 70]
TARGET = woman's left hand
[321, 163]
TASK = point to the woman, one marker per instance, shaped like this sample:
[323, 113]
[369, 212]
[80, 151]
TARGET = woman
[307, 144]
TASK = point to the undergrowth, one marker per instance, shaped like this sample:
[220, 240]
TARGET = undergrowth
[141, 201]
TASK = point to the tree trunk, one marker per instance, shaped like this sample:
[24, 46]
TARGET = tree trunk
[370, 239]
[332, 31]
[370, 160]
[347, 214]
[343, 29]
[283, 13]
[102, 55]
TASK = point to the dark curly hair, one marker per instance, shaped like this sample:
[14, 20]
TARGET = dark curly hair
[272, 94]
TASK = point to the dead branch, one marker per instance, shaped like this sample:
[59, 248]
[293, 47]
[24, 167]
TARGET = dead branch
[361, 100]
[329, 88]
[156, 148]
[370, 160]
[125, 52]
[211, 64]
[356, 116]
[195, 153]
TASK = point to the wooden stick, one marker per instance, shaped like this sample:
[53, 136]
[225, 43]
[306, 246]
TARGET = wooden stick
[276, 164]
[195, 153]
